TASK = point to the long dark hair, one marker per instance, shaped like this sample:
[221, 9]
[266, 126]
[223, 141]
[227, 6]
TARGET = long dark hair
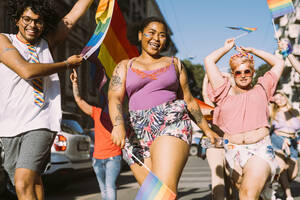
[44, 8]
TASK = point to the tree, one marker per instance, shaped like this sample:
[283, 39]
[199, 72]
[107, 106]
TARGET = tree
[195, 73]
[260, 71]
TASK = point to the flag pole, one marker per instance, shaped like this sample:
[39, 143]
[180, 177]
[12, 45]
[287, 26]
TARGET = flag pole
[241, 35]
[130, 152]
[275, 30]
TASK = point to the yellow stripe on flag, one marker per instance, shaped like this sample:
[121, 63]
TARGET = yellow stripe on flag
[106, 60]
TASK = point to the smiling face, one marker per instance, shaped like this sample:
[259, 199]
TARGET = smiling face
[30, 26]
[153, 38]
[243, 75]
[280, 100]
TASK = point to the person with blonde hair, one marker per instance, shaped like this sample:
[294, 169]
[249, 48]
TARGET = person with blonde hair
[242, 114]
[286, 122]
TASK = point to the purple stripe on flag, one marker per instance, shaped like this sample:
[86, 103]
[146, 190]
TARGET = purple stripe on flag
[147, 187]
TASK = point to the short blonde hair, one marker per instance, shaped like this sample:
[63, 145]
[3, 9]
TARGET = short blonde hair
[241, 58]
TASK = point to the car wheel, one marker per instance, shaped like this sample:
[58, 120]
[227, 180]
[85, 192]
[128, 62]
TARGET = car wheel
[193, 150]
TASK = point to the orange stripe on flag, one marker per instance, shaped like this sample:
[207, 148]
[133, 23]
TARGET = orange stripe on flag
[106, 60]
[114, 47]
[118, 24]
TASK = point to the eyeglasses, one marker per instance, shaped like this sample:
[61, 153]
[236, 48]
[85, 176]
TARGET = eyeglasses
[27, 20]
[246, 72]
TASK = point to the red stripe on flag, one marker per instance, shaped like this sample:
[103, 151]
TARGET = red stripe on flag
[118, 24]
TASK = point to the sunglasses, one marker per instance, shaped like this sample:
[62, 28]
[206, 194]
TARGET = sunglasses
[246, 72]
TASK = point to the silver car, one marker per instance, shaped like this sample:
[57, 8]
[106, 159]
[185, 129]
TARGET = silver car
[70, 150]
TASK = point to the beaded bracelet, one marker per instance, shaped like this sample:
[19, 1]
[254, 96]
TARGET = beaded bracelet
[67, 64]
[287, 51]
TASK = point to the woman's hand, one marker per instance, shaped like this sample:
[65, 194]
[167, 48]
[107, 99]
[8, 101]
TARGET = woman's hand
[212, 136]
[286, 146]
[73, 76]
[74, 61]
[118, 134]
[229, 43]
[282, 45]
[247, 49]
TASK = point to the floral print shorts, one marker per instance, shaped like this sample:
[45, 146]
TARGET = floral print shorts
[170, 118]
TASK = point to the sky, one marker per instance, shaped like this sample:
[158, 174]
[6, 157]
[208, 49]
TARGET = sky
[199, 27]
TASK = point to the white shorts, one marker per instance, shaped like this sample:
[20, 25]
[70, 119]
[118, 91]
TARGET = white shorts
[238, 155]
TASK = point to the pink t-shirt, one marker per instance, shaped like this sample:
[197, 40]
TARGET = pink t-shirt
[243, 112]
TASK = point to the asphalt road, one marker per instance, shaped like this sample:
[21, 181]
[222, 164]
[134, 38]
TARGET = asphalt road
[193, 185]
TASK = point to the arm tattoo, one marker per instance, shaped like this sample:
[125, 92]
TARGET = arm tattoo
[115, 81]
[197, 114]
[119, 119]
[6, 50]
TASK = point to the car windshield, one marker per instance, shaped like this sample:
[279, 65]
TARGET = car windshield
[71, 126]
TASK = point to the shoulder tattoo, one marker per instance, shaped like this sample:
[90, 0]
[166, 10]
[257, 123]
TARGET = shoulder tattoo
[7, 49]
[115, 81]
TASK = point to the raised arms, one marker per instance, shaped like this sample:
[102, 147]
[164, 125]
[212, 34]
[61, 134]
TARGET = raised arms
[83, 105]
[276, 63]
[214, 75]
[68, 22]
[284, 48]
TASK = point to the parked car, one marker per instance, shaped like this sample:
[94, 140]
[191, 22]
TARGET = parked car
[70, 152]
[71, 148]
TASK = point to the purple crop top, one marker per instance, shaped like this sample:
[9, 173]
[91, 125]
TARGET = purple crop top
[146, 89]
[289, 126]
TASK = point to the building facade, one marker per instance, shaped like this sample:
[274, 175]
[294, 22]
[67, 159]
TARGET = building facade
[289, 27]
[133, 10]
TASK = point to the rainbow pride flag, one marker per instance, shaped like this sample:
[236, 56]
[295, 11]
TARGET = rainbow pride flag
[154, 189]
[247, 29]
[103, 18]
[109, 44]
[280, 7]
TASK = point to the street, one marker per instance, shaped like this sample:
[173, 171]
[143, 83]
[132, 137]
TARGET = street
[193, 185]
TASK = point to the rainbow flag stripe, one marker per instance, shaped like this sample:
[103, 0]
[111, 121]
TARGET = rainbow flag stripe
[109, 44]
[247, 29]
[116, 46]
[280, 7]
[103, 18]
[154, 189]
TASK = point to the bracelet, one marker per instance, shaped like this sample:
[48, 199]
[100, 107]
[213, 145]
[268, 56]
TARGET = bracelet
[285, 53]
[67, 64]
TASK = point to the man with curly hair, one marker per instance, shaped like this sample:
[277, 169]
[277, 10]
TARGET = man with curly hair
[30, 107]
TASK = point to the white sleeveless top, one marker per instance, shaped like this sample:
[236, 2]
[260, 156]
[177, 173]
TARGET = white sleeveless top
[18, 113]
